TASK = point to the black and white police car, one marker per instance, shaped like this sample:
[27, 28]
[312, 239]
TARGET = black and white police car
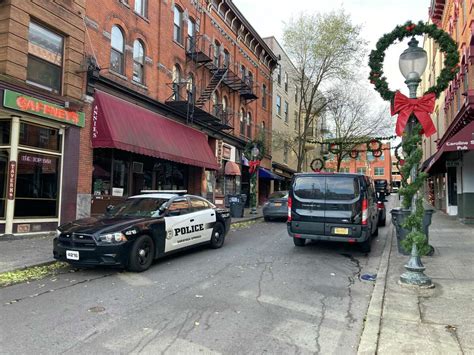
[141, 229]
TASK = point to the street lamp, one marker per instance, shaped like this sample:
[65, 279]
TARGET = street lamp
[412, 64]
[255, 152]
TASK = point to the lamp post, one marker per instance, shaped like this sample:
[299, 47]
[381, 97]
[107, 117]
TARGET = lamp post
[253, 180]
[412, 64]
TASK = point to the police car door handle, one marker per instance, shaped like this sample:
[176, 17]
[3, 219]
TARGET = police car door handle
[191, 220]
[212, 214]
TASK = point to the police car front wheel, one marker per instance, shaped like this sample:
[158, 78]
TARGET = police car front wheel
[141, 254]
[218, 236]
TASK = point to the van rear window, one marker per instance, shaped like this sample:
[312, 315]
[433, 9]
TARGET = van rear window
[342, 188]
[311, 187]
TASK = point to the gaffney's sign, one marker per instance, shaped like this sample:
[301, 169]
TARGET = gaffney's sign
[20, 102]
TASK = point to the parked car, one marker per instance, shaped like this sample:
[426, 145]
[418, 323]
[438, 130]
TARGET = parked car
[332, 207]
[381, 185]
[381, 207]
[141, 229]
[276, 206]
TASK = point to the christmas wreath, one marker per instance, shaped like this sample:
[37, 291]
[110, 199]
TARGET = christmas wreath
[446, 45]
[354, 154]
[249, 146]
[397, 152]
[374, 145]
[317, 165]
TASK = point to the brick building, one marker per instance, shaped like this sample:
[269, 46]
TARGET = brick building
[42, 85]
[449, 154]
[365, 163]
[177, 89]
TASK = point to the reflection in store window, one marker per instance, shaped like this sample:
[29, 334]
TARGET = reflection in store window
[4, 132]
[3, 181]
[39, 136]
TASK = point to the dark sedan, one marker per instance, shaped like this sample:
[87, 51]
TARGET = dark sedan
[277, 206]
[141, 229]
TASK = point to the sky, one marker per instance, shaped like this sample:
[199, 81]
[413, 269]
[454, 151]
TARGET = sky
[375, 16]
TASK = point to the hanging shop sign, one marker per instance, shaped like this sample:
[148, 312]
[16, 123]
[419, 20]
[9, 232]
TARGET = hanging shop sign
[11, 180]
[453, 163]
[28, 104]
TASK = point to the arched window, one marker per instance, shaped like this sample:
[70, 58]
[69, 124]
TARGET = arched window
[226, 59]
[116, 52]
[243, 70]
[249, 124]
[190, 87]
[224, 103]
[215, 103]
[138, 61]
[250, 79]
[176, 82]
[178, 25]
[190, 46]
[264, 96]
[217, 53]
[242, 122]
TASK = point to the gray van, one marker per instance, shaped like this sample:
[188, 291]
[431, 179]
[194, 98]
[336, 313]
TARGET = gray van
[333, 207]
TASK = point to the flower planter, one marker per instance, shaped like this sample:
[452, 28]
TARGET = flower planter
[399, 216]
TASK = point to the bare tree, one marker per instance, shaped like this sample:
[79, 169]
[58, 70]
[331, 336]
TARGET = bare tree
[324, 48]
[353, 119]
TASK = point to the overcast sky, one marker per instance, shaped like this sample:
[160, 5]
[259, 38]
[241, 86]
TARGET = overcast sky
[376, 17]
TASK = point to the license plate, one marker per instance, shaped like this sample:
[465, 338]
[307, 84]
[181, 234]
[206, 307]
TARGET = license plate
[72, 255]
[343, 231]
[277, 204]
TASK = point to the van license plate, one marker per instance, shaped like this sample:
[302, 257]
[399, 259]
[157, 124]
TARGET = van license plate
[72, 255]
[342, 231]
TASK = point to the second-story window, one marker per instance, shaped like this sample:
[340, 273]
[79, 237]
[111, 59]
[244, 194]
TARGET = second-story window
[138, 61]
[242, 122]
[178, 25]
[286, 111]
[116, 52]
[45, 58]
[264, 96]
[191, 45]
[141, 7]
[286, 82]
[250, 79]
[176, 82]
[279, 74]
[243, 71]
[249, 124]
[226, 59]
[217, 53]
[278, 105]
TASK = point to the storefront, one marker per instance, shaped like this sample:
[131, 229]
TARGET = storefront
[153, 153]
[228, 176]
[38, 163]
[285, 173]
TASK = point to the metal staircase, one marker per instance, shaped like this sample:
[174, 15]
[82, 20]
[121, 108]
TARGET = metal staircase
[217, 78]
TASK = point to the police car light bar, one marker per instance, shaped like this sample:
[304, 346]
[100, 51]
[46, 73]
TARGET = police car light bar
[178, 192]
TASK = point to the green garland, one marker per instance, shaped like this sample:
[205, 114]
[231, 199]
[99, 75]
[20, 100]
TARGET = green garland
[446, 45]
[249, 146]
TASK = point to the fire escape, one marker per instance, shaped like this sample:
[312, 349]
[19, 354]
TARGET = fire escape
[201, 54]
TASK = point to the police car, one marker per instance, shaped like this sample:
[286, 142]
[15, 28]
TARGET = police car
[141, 229]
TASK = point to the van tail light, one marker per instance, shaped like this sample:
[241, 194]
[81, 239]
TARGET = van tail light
[290, 203]
[380, 205]
[365, 211]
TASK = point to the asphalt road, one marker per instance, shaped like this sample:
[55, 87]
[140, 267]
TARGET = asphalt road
[258, 294]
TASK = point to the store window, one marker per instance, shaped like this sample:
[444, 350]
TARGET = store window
[138, 61]
[116, 51]
[178, 25]
[37, 136]
[120, 172]
[4, 132]
[3, 181]
[170, 176]
[45, 58]
[379, 171]
[37, 185]
[101, 178]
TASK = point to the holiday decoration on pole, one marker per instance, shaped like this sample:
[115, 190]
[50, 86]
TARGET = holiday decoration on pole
[254, 152]
[317, 165]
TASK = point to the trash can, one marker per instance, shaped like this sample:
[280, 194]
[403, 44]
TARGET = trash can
[399, 215]
[236, 204]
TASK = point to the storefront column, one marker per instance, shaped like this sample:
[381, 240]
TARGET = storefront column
[14, 140]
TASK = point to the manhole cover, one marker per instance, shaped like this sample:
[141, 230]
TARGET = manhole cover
[96, 309]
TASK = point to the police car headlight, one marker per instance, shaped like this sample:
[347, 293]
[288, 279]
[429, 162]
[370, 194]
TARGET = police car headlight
[112, 238]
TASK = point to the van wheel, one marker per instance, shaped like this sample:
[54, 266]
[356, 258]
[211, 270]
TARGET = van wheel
[141, 254]
[299, 242]
[382, 223]
[366, 247]
[218, 236]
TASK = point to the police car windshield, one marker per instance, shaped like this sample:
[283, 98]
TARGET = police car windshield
[138, 207]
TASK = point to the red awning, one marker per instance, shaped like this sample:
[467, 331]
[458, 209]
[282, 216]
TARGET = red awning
[122, 125]
[232, 168]
[461, 141]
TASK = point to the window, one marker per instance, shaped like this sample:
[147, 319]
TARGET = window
[45, 58]
[264, 96]
[190, 87]
[361, 171]
[191, 35]
[310, 187]
[215, 103]
[278, 105]
[141, 7]
[243, 71]
[226, 63]
[179, 206]
[217, 54]
[379, 171]
[138, 61]
[176, 82]
[285, 153]
[341, 188]
[198, 205]
[370, 156]
[4, 158]
[286, 82]
[344, 170]
[465, 77]
[242, 122]
[116, 53]
[37, 136]
[279, 75]
[286, 111]
[249, 124]
[178, 25]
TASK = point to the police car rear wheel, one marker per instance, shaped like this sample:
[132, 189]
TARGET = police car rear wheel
[218, 236]
[142, 254]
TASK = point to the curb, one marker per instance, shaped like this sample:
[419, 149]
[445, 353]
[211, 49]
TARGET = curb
[246, 220]
[369, 339]
[26, 267]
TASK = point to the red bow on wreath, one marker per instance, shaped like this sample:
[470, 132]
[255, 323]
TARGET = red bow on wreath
[253, 165]
[421, 108]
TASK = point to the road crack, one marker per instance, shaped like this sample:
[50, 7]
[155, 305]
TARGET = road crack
[320, 324]
[351, 280]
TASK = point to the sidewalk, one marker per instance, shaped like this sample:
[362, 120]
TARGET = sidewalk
[401, 320]
[23, 252]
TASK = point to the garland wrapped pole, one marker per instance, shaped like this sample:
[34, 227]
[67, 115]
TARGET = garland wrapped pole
[254, 152]
[413, 121]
